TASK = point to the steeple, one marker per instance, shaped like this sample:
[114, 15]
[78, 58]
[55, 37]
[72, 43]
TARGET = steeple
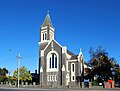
[47, 30]
[47, 21]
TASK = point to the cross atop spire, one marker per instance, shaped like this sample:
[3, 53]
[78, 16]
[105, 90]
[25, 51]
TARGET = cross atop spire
[80, 49]
[47, 11]
[47, 21]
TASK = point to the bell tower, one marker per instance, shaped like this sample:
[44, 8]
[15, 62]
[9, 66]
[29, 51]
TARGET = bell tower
[46, 34]
[46, 30]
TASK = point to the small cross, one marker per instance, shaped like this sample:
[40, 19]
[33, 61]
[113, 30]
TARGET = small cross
[80, 49]
[47, 11]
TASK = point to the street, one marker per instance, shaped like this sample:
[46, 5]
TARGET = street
[56, 89]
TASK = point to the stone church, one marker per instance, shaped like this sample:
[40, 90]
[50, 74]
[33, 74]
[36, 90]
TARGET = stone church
[58, 66]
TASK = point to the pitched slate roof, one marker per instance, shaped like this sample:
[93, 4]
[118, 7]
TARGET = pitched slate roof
[70, 53]
[74, 57]
[43, 45]
[47, 21]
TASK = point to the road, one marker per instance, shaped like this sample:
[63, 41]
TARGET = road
[40, 89]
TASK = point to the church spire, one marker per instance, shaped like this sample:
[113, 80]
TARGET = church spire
[47, 21]
[47, 29]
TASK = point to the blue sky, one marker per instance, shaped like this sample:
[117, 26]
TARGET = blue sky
[78, 24]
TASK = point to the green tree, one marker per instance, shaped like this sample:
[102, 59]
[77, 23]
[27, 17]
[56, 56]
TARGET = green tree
[3, 73]
[101, 64]
[116, 73]
[24, 74]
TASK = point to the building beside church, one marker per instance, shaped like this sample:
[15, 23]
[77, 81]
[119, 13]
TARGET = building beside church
[58, 66]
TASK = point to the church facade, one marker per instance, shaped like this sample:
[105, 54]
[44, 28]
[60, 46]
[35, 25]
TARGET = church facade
[57, 65]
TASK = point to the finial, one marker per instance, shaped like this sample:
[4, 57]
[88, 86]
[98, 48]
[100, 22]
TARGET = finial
[19, 55]
[80, 49]
[47, 11]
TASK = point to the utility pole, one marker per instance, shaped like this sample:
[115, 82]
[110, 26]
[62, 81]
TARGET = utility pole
[18, 67]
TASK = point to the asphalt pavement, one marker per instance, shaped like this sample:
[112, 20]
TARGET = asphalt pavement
[56, 89]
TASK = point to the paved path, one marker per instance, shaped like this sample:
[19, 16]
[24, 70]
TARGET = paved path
[40, 89]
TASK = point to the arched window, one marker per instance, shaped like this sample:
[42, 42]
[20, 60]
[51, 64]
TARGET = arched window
[55, 62]
[52, 62]
[43, 36]
[72, 71]
[73, 67]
